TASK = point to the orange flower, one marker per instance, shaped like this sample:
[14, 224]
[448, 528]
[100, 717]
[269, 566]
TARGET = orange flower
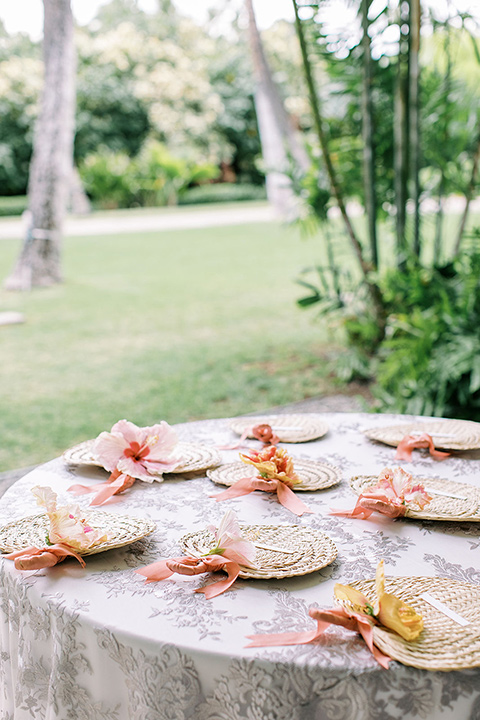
[393, 612]
[389, 611]
[273, 463]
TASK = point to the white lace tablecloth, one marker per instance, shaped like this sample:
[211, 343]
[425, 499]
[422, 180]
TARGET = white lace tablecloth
[100, 644]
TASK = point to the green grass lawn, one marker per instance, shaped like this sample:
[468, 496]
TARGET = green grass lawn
[175, 326]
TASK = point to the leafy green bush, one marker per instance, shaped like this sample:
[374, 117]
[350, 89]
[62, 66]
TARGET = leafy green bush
[430, 360]
[162, 177]
[222, 192]
[154, 178]
[109, 179]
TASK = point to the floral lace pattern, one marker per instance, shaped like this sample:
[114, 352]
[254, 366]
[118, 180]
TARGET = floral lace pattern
[97, 643]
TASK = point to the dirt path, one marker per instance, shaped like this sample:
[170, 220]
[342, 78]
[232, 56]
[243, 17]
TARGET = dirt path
[150, 221]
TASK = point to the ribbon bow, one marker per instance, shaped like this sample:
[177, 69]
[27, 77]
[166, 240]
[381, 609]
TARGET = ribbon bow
[413, 442]
[262, 432]
[285, 495]
[394, 493]
[116, 483]
[336, 616]
[34, 558]
[370, 502]
[164, 569]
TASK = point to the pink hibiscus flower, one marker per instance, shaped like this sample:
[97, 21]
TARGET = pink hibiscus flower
[142, 453]
[399, 489]
[68, 525]
[230, 541]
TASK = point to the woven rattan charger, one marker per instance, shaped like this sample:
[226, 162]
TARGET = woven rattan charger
[282, 551]
[33, 530]
[450, 500]
[288, 428]
[313, 475]
[443, 644]
[195, 457]
[446, 434]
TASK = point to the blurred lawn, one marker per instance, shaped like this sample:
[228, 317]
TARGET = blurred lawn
[174, 325]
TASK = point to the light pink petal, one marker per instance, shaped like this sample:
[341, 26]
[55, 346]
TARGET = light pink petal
[130, 466]
[128, 430]
[241, 548]
[45, 497]
[160, 466]
[228, 524]
[108, 449]
[401, 480]
[161, 439]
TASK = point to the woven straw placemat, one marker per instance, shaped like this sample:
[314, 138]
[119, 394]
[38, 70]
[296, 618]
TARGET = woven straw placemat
[288, 428]
[443, 644]
[32, 531]
[446, 434]
[450, 500]
[281, 550]
[195, 457]
[314, 475]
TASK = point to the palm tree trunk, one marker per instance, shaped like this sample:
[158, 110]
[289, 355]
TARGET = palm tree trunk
[277, 134]
[368, 143]
[414, 70]
[51, 165]
[401, 136]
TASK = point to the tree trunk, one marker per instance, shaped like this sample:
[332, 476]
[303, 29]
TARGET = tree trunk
[401, 136]
[51, 165]
[277, 134]
[368, 143]
[414, 105]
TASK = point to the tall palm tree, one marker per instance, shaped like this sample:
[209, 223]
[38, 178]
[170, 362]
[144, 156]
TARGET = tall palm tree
[279, 138]
[51, 164]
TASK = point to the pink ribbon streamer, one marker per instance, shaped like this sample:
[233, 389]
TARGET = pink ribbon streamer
[285, 495]
[116, 483]
[164, 569]
[34, 558]
[413, 442]
[337, 616]
[368, 503]
[262, 432]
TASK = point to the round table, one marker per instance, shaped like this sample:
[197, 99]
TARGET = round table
[99, 643]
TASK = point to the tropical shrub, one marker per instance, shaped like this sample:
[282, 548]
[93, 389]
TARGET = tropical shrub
[222, 192]
[154, 178]
[430, 359]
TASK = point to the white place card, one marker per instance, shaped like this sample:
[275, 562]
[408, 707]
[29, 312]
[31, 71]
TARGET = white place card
[444, 609]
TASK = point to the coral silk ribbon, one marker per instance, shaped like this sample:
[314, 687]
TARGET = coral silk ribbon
[34, 558]
[412, 442]
[337, 616]
[247, 485]
[117, 483]
[194, 566]
[369, 503]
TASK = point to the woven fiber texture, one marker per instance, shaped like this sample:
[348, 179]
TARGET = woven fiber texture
[281, 550]
[314, 475]
[454, 501]
[443, 644]
[195, 457]
[288, 428]
[32, 531]
[446, 434]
